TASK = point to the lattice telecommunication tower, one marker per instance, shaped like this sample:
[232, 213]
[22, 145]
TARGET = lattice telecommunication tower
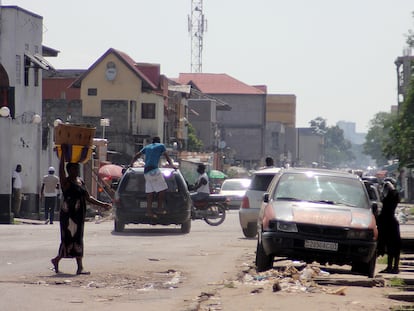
[197, 25]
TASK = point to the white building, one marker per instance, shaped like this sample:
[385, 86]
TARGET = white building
[21, 65]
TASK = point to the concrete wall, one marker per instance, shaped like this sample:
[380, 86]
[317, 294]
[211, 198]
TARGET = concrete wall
[202, 116]
[243, 127]
[310, 147]
[21, 31]
[281, 108]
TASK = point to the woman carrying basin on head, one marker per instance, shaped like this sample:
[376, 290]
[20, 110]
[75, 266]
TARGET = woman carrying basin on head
[72, 213]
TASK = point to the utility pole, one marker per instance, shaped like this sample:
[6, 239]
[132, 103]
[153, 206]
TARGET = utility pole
[197, 25]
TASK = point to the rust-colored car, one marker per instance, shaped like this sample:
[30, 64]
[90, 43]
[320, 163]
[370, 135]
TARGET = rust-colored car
[317, 215]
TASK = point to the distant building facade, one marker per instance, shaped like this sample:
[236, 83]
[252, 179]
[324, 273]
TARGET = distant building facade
[280, 134]
[240, 132]
[350, 133]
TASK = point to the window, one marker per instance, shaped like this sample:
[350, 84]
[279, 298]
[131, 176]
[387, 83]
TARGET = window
[275, 141]
[148, 111]
[26, 71]
[132, 115]
[18, 69]
[36, 77]
[92, 92]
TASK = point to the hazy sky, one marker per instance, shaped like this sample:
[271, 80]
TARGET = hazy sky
[336, 56]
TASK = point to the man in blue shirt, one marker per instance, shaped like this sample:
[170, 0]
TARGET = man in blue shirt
[154, 180]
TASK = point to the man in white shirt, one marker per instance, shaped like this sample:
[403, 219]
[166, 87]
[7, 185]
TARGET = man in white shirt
[17, 190]
[202, 185]
[49, 191]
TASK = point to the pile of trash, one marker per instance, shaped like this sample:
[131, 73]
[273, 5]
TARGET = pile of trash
[290, 279]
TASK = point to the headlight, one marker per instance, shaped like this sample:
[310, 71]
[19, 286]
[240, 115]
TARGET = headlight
[286, 226]
[360, 234]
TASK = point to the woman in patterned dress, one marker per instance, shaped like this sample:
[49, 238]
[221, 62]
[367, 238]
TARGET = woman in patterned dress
[72, 213]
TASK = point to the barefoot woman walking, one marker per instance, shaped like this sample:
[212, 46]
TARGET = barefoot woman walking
[72, 213]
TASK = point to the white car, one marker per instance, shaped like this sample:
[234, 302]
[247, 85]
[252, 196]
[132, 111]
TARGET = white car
[234, 189]
[252, 200]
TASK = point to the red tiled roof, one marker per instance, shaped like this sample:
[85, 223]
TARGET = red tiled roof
[56, 88]
[217, 83]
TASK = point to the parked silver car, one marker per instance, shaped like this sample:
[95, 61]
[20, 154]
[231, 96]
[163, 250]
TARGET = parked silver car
[252, 200]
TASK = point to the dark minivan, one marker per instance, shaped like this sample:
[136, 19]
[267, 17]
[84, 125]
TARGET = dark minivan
[130, 204]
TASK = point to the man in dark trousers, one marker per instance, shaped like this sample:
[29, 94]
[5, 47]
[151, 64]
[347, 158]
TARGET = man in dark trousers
[389, 239]
[48, 193]
[17, 190]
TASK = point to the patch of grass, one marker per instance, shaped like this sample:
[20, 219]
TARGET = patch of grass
[382, 259]
[397, 282]
[230, 285]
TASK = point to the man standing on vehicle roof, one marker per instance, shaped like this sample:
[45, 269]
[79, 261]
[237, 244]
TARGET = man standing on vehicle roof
[154, 180]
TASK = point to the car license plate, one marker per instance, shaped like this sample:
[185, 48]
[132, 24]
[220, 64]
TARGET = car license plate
[143, 204]
[329, 246]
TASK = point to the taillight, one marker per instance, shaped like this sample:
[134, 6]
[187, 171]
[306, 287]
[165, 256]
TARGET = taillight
[117, 200]
[245, 202]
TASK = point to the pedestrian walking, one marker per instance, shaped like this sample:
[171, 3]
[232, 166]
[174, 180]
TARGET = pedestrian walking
[154, 180]
[17, 185]
[72, 214]
[49, 193]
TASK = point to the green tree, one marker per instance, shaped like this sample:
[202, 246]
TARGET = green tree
[378, 137]
[401, 132]
[410, 36]
[337, 150]
[194, 143]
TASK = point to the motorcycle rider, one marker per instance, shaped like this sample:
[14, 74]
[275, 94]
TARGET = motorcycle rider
[202, 185]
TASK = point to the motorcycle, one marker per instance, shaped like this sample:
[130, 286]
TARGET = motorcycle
[212, 210]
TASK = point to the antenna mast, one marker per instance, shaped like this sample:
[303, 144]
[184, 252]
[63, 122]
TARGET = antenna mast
[197, 24]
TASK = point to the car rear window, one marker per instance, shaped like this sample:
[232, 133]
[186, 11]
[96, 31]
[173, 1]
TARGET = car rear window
[261, 182]
[235, 185]
[136, 182]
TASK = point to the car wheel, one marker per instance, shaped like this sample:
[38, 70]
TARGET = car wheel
[371, 266]
[263, 261]
[119, 226]
[251, 230]
[186, 226]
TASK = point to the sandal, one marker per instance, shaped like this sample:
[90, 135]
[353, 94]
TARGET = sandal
[79, 272]
[55, 265]
[386, 270]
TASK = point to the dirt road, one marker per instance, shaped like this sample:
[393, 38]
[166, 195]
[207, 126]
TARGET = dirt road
[161, 269]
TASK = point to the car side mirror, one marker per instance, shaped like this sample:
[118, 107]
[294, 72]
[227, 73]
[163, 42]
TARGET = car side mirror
[266, 197]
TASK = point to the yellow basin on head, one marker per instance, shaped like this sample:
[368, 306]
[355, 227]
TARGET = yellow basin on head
[76, 153]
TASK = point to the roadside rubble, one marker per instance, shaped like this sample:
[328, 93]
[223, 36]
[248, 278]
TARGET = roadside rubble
[289, 277]
[300, 278]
